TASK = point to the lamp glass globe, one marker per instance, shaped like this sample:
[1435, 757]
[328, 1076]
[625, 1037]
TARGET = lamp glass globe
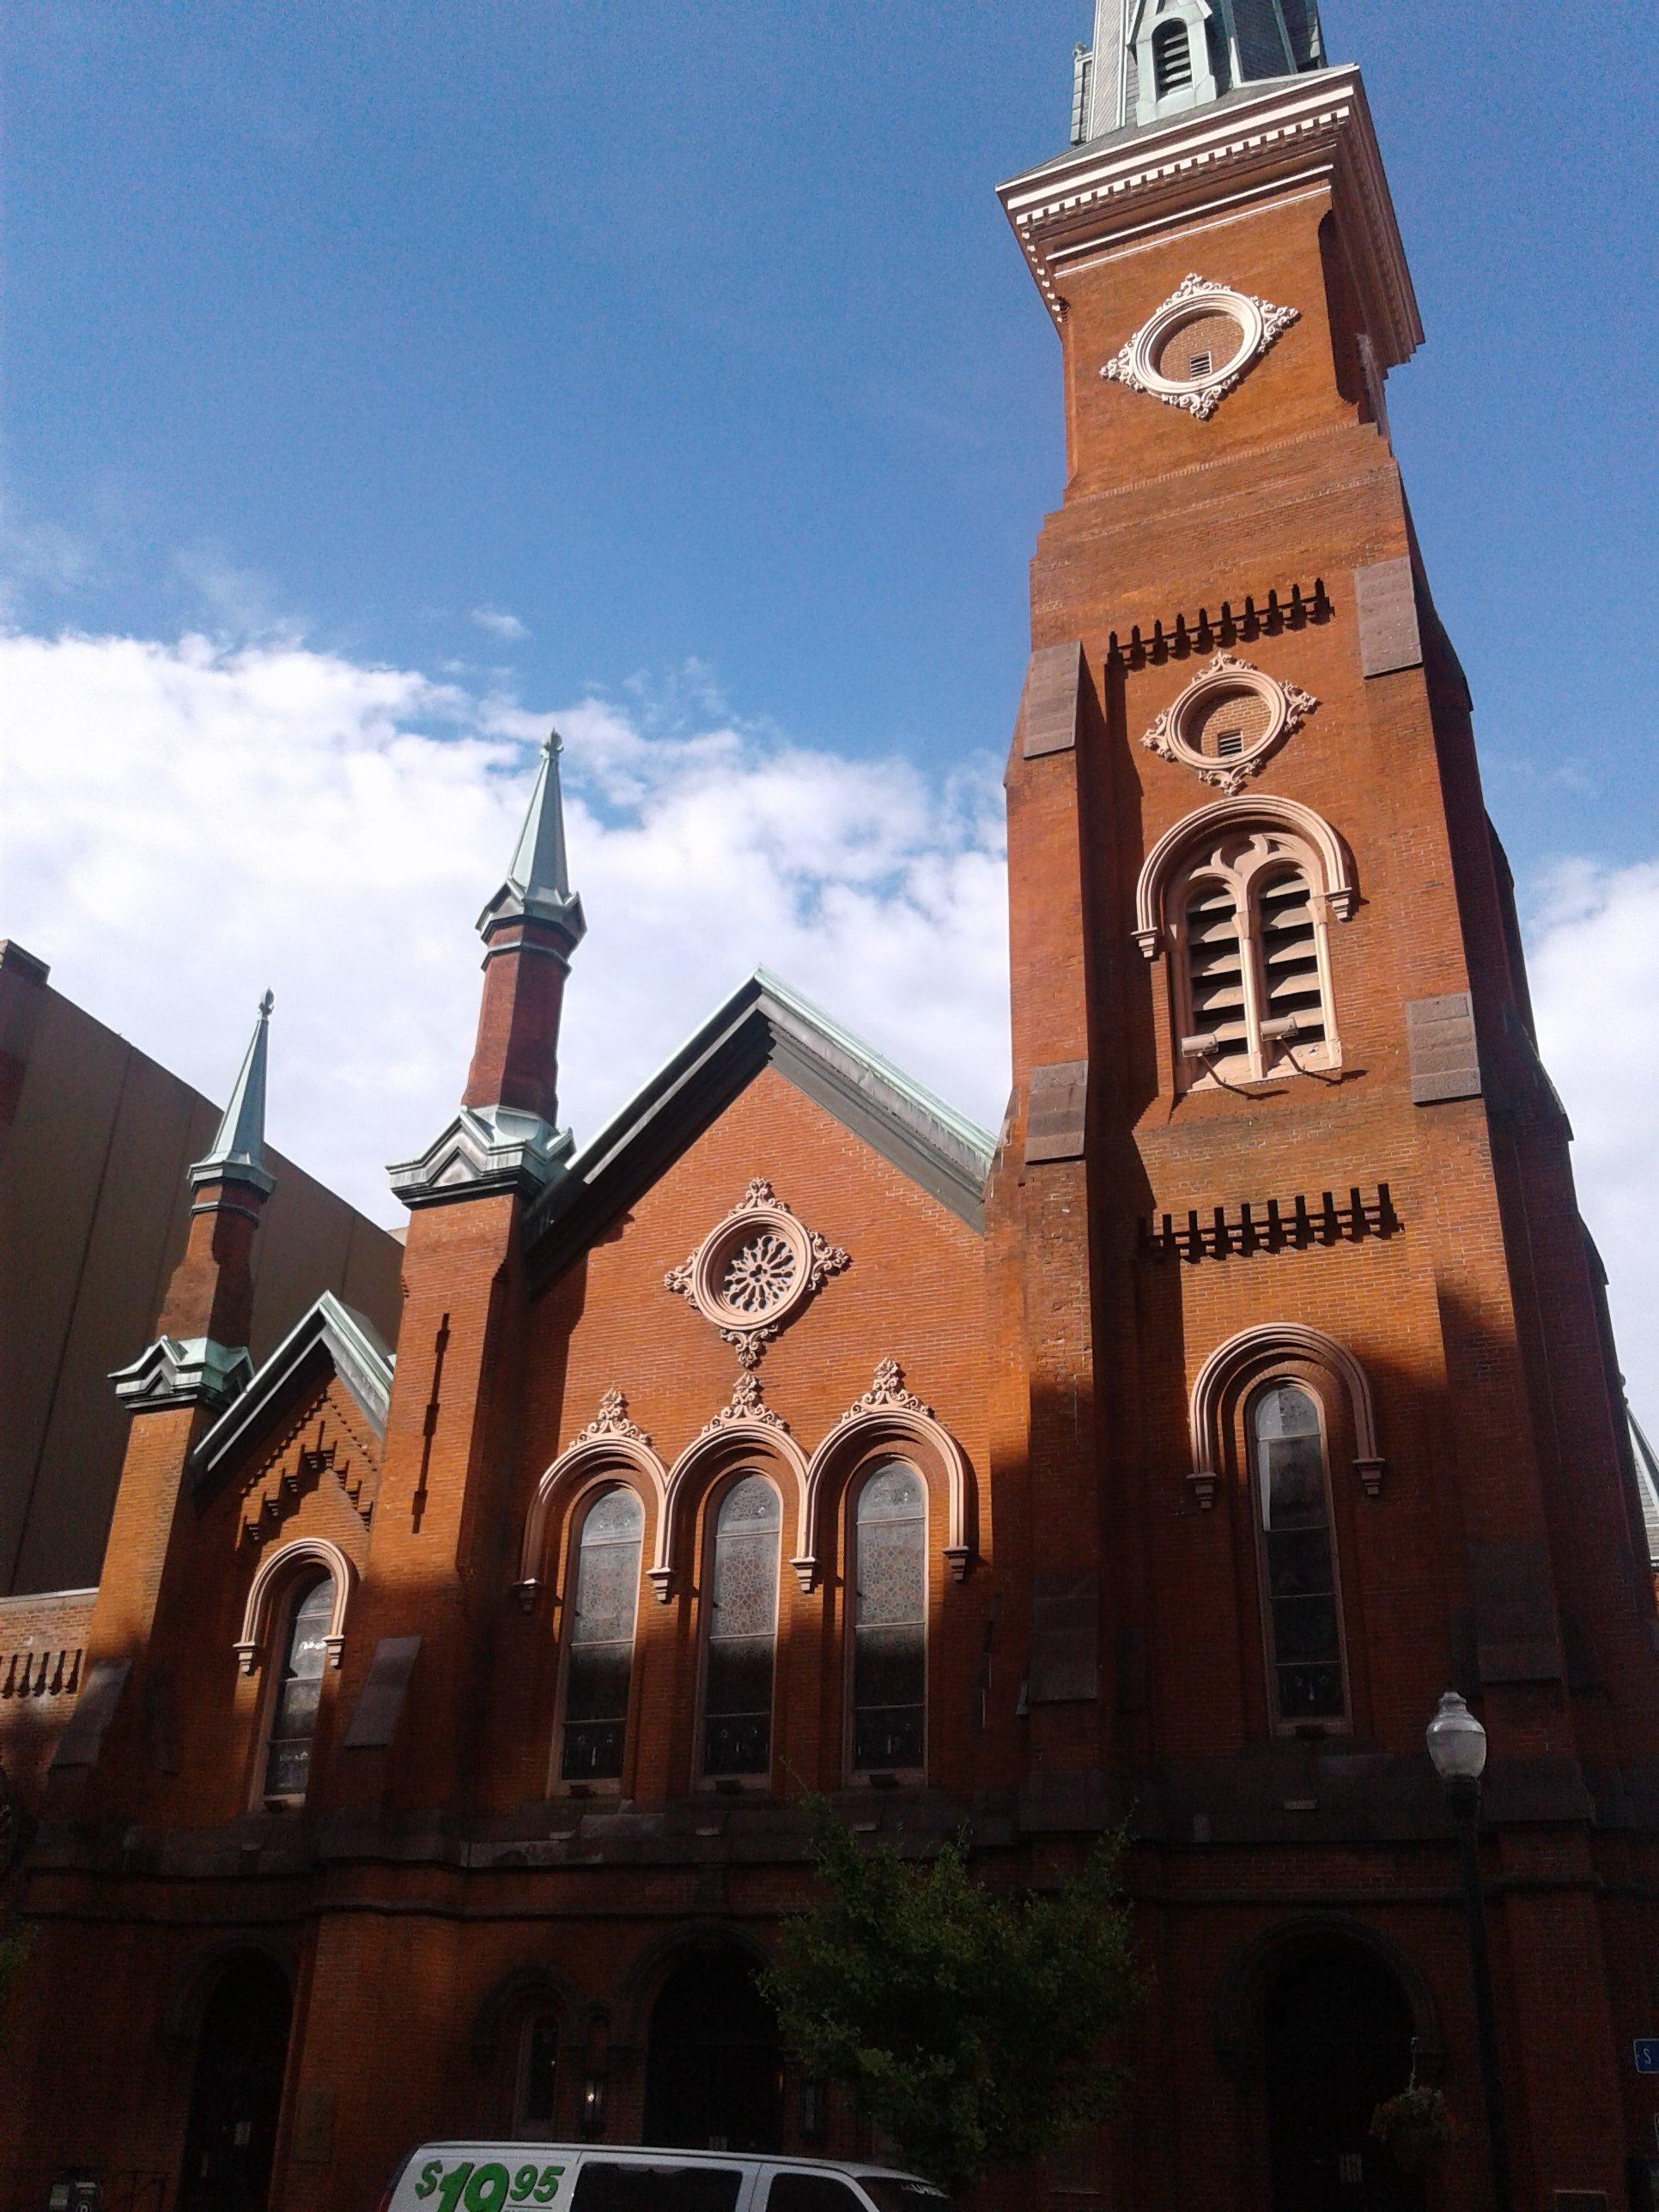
[1457, 1742]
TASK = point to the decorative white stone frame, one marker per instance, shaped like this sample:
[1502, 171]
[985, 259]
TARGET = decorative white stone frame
[1255, 1351]
[277, 1566]
[799, 1261]
[1261, 324]
[1335, 864]
[610, 1444]
[1288, 706]
[889, 1413]
[1243, 846]
[746, 1430]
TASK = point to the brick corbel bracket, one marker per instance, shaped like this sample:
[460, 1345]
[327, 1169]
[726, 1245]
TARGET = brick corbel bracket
[1257, 1349]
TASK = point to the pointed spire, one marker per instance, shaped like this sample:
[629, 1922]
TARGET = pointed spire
[539, 880]
[238, 1151]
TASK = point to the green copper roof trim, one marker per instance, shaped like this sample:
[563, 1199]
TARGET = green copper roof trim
[238, 1151]
[352, 1346]
[763, 1022]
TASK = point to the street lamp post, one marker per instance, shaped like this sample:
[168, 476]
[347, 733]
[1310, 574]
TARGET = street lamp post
[1457, 1745]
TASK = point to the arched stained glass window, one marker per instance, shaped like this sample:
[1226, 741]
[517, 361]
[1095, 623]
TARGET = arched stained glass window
[299, 1691]
[742, 1631]
[890, 1621]
[1301, 1600]
[599, 1612]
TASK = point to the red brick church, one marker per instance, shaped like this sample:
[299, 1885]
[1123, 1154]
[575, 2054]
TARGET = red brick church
[437, 1720]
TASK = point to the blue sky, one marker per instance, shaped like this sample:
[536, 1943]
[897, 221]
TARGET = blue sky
[693, 332]
[376, 380]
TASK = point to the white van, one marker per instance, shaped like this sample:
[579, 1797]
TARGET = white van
[497, 2177]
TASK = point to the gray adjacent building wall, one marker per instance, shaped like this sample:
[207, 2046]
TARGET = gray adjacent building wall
[95, 1140]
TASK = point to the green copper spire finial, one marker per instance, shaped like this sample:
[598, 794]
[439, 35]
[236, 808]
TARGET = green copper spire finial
[537, 883]
[238, 1150]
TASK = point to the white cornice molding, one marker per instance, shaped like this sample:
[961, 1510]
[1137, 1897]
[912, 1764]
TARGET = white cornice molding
[1315, 126]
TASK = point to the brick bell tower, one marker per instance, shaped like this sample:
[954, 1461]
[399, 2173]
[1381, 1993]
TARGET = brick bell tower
[1320, 1413]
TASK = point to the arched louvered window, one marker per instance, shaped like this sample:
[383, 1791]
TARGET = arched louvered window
[1300, 1600]
[298, 1692]
[1215, 969]
[1252, 979]
[1289, 952]
[741, 1631]
[1172, 58]
[890, 1621]
[599, 1612]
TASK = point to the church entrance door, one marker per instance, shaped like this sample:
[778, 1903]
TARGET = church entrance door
[1339, 2042]
[236, 2094]
[714, 2076]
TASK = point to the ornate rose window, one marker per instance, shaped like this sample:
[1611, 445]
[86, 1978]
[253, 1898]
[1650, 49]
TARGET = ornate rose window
[754, 1270]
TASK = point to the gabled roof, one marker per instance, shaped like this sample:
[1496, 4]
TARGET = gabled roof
[762, 1024]
[330, 1335]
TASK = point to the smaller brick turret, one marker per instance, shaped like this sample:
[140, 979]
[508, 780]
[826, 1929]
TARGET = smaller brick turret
[200, 1356]
[506, 1133]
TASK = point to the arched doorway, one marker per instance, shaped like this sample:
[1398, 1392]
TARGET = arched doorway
[1338, 2035]
[713, 2077]
[236, 2091]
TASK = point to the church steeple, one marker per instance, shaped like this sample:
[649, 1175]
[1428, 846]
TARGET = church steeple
[507, 1132]
[200, 1357]
[1152, 60]
[237, 1153]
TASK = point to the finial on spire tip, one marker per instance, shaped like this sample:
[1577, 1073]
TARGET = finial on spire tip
[266, 1006]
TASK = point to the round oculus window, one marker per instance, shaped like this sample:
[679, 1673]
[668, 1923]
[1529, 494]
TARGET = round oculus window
[1228, 720]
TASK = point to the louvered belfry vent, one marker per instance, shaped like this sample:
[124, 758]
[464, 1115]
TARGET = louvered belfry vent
[1172, 58]
[1290, 958]
[1215, 965]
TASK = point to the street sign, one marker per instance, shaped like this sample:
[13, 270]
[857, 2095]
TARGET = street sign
[1646, 2050]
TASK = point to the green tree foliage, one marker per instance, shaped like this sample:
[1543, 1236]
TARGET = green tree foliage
[973, 2027]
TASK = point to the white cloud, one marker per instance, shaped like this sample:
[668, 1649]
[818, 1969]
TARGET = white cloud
[499, 623]
[1594, 963]
[187, 822]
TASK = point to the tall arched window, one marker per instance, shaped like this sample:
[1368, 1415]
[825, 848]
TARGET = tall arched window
[742, 1621]
[599, 1612]
[1252, 981]
[298, 1692]
[536, 2076]
[890, 1621]
[1172, 58]
[1301, 1600]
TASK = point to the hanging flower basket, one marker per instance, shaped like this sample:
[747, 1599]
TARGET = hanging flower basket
[1414, 2128]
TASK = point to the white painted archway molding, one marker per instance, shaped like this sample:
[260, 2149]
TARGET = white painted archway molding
[1259, 810]
[888, 1414]
[277, 1569]
[746, 1431]
[609, 1445]
[1255, 1352]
